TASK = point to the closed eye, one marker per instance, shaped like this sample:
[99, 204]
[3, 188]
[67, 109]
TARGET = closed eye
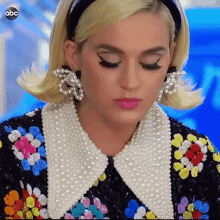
[107, 64]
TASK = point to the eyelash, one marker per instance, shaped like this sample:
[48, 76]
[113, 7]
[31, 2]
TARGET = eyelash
[154, 66]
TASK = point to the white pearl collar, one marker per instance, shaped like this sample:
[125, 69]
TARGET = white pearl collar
[75, 163]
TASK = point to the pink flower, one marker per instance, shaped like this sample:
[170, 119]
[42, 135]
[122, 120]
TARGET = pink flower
[86, 202]
[88, 214]
[103, 209]
[97, 202]
[69, 216]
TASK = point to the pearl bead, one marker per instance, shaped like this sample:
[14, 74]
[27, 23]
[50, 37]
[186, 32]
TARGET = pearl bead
[75, 163]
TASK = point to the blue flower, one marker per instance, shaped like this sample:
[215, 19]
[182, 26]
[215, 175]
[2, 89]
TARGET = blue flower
[204, 217]
[42, 151]
[198, 204]
[36, 170]
[99, 214]
[80, 207]
[41, 164]
[76, 212]
[133, 205]
[34, 130]
[93, 209]
[40, 137]
[8, 129]
[129, 213]
[22, 131]
[204, 208]
[25, 164]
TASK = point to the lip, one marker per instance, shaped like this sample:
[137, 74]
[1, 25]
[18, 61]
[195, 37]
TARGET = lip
[127, 103]
[128, 99]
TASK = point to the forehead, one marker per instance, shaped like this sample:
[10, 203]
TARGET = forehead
[141, 31]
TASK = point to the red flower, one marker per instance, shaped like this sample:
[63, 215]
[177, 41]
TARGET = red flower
[195, 147]
[196, 214]
[25, 194]
[189, 154]
[38, 205]
[39, 217]
[18, 205]
[197, 158]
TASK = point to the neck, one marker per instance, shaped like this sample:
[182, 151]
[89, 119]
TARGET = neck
[109, 137]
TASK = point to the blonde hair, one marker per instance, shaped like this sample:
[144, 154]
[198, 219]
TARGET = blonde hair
[99, 15]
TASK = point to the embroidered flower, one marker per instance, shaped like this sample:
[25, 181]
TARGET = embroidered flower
[138, 212]
[0, 140]
[86, 210]
[215, 154]
[194, 210]
[27, 148]
[191, 154]
[29, 206]
[101, 178]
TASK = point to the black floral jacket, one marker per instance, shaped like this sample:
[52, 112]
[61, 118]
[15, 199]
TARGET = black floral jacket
[195, 177]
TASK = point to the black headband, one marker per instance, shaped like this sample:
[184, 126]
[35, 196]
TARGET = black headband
[81, 5]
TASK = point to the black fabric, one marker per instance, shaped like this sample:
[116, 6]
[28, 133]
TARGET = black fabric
[203, 191]
[81, 6]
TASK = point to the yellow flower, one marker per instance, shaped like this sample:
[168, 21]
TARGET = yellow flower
[19, 213]
[0, 144]
[190, 207]
[30, 202]
[29, 215]
[184, 173]
[203, 140]
[178, 137]
[211, 148]
[178, 154]
[176, 143]
[218, 168]
[191, 137]
[216, 157]
[35, 211]
[102, 177]
[177, 166]
[187, 215]
[194, 171]
[150, 215]
[96, 183]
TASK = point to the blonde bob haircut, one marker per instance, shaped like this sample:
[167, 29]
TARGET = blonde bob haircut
[98, 16]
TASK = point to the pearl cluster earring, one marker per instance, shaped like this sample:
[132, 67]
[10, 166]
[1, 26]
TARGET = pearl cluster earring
[69, 79]
[170, 82]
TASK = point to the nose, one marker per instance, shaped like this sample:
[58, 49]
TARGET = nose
[129, 78]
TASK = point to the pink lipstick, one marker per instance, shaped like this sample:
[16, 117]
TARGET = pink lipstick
[127, 103]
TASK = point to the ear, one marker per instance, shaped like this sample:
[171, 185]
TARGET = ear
[71, 55]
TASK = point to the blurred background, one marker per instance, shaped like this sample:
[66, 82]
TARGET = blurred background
[26, 39]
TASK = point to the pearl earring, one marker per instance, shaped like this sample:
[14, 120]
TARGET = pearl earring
[71, 81]
[170, 83]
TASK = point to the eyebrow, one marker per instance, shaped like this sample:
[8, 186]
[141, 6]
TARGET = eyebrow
[117, 50]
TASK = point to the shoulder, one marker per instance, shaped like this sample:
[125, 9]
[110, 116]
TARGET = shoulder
[195, 170]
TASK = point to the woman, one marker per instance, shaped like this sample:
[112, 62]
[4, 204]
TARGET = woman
[102, 147]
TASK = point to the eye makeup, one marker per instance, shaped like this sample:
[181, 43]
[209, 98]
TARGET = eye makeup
[107, 64]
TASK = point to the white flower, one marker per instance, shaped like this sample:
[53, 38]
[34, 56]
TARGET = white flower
[29, 189]
[12, 138]
[137, 216]
[42, 199]
[199, 143]
[36, 143]
[204, 149]
[141, 211]
[29, 136]
[44, 213]
[204, 157]
[186, 144]
[15, 149]
[22, 184]
[30, 114]
[31, 160]
[185, 161]
[183, 149]
[36, 156]
[189, 166]
[19, 155]
[200, 167]
[16, 133]
[36, 192]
